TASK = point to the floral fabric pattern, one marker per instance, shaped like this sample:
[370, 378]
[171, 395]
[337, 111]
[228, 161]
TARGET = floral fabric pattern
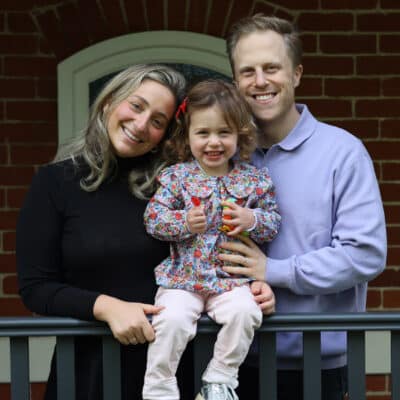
[193, 263]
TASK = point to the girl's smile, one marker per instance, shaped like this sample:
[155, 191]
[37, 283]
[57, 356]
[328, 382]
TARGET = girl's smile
[212, 141]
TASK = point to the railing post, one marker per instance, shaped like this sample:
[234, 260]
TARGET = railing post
[65, 349]
[311, 365]
[111, 369]
[395, 364]
[19, 368]
[268, 366]
[356, 364]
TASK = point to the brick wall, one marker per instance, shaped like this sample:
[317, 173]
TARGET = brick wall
[352, 79]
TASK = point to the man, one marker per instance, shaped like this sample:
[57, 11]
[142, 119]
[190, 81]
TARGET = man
[332, 239]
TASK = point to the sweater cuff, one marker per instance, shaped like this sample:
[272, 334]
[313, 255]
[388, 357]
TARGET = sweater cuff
[278, 273]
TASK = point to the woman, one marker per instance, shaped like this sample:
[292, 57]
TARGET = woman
[82, 251]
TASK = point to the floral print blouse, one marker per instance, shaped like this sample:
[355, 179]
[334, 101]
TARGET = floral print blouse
[193, 263]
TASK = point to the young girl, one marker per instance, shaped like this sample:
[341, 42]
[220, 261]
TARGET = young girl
[209, 197]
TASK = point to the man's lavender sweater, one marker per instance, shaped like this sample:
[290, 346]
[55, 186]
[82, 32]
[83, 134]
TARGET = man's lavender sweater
[332, 239]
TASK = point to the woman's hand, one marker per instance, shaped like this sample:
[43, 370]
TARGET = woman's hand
[264, 296]
[127, 320]
[238, 218]
[247, 254]
[196, 219]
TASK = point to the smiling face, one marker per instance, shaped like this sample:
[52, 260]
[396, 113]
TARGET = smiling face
[137, 124]
[265, 75]
[212, 142]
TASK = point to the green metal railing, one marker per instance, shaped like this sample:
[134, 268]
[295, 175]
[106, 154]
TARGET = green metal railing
[20, 329]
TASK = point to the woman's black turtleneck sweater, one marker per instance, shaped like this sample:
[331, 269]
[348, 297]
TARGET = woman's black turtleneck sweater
[73, 245]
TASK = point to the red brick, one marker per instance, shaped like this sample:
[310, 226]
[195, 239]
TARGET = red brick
[15, 197]
[389, 43]
[47, 88]
[309, 42]
[73, 27]
[264, 8]
[114, 17]
[284, 15]
[326, 108]
[390, 128]
[389, 278]
[135, 15]
[92, 20]
[310, 87]
[45, 47]
[393, 4]
[50, 26]
[392, 213]
[12, 176]
[30, 66]
[352, 87]
[390, 191]
[374, 298]
[197, 16]
[377, 65]
[393, 233]
[239, 10]
[362, 128]
[376, 383]
[21, 5]
[216, 19]
[379, 397]
[376, 22]
[32, 155]
[17, 88]
[31, 110]
[3, 154]
[2, 198]
[10, 285]
[377, 167]
[391, 298]
[155, 15]
[18, 44]
[9, 241]
[295, 4]
[7, 263]
[393, 258]
[176, 15]
[391, 172]
[20, 22]
[383, 150]
[28, 132]
[2, 16]
[347, 43]
[5, 391]
[325, 22]
[378, 108]
[38, 390]
[13, 307]
[348, 4]
[391, 86]
[338, 65]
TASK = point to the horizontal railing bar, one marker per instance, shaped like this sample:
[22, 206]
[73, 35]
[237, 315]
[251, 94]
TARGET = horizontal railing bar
[55, 326]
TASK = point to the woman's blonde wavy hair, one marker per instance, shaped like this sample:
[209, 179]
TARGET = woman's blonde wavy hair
[234, 108]
[93, 145]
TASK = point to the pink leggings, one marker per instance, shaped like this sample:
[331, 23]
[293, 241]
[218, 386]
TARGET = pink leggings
[176, 325]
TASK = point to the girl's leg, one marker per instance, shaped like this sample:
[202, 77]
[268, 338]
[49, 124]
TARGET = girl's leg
[239, 315]
[175, 326]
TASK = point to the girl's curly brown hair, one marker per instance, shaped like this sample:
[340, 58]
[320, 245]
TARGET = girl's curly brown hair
[234, 108]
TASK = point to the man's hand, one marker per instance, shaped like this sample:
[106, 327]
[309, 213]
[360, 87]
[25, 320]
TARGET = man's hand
[247, 254]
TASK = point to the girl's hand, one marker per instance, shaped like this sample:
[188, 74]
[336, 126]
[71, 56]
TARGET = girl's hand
[247, 254]
[239, 218]
[264, 296]
[196, 220]
[127, 320]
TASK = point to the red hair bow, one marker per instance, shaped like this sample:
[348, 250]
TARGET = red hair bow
[182, 108]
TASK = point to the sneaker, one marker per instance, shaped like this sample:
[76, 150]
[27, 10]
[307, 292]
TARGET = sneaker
[216, 391]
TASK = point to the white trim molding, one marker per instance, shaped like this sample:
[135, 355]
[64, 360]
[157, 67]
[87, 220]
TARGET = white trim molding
[76, 72]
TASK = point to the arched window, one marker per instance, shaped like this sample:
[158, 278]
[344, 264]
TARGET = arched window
[81, 75]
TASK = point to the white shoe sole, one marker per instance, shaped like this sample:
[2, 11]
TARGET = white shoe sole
[199, 397]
